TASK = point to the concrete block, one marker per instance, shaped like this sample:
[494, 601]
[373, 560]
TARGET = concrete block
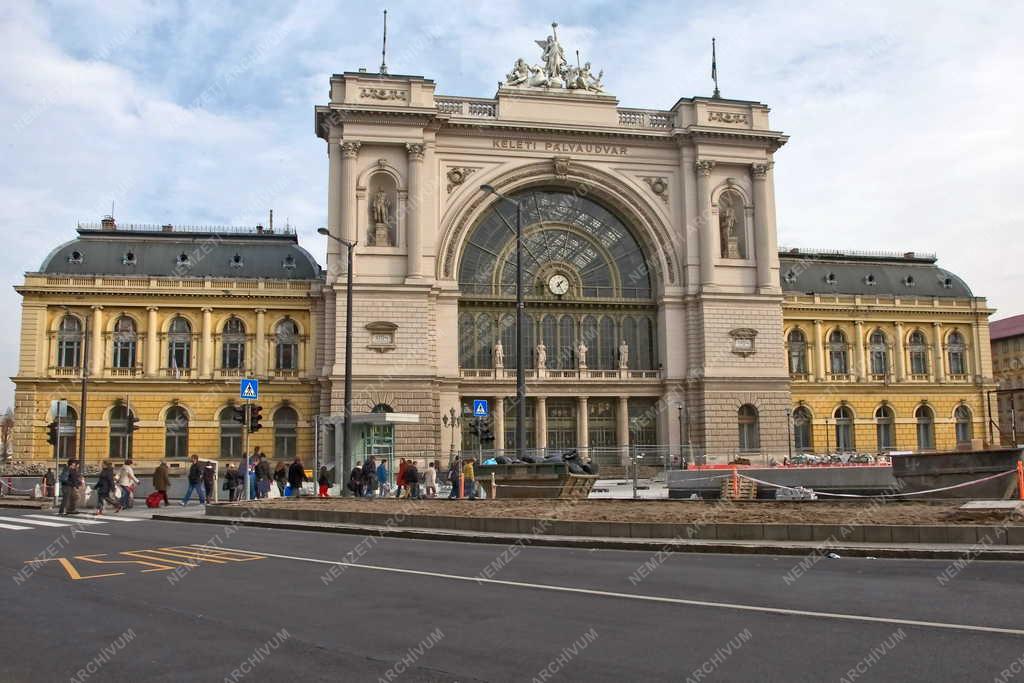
[640, 530]
[877, 533]
[665, 531]
[800, 532]
[503, 526]
[905, 534]
[561, 528]
[932, 534]
[776, 532]
[1014, 536]
[827, 532]
[590, 529]
[962, 534]
[618, 529]
[740, 532]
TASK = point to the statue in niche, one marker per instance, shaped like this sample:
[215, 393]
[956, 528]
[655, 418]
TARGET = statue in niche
[499, 355]
[581, 354]
[623, 355]
[727, 228]
[380, 209]
[542, 356]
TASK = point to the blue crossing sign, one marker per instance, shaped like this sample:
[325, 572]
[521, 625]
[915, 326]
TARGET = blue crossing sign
[249, 389]
[480, 408]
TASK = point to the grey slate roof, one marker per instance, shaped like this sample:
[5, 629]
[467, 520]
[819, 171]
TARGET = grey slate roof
[803, 272]
[157, 254]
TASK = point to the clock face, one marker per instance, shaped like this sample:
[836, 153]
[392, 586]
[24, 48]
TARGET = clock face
[558, 284]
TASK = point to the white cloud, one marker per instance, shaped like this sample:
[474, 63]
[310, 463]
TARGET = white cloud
[904, 119]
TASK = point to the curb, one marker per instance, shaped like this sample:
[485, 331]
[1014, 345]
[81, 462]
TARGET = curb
[25, 504]
[673, 545]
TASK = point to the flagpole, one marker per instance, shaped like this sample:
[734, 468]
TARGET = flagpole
[714, 70]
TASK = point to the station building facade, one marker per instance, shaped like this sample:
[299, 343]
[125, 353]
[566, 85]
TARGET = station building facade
[659, 308]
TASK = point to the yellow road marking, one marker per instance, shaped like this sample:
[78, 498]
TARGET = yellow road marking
[70, 568]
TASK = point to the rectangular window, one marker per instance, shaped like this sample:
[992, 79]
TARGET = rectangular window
[178, 355]
[234, 355]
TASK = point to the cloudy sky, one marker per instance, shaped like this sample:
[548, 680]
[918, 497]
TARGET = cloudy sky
[905, 118]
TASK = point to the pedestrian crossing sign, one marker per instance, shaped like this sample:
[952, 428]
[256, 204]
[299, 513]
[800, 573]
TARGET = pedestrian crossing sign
[249, 389]
[480, 407]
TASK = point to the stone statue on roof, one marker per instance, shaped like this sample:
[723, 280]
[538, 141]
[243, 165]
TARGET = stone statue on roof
[553, 71]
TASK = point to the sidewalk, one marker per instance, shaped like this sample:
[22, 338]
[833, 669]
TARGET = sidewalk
[843, 549]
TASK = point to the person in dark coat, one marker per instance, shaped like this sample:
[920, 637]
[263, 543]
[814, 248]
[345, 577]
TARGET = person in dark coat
[209, 472]
[71, 483]
[412, 479]
[104, 488]
[281, 477]
[370, 478]
[195, 482]
[324, 481]
[263, 476]
[162, 481]
[355, 480]
[296, 475]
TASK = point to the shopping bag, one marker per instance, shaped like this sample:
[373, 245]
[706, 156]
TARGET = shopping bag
[273, 492]
[287, 490]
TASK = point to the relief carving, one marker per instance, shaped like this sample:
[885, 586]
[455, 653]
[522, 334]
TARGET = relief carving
[659, 186]
[457, 175]
[728, 117]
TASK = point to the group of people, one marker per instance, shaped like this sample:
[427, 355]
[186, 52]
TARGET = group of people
[107, 483]
[370, 479]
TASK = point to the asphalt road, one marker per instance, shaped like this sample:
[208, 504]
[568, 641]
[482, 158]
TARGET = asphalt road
[278, 607]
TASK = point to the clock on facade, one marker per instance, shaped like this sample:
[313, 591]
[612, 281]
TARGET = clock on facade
[558, 284]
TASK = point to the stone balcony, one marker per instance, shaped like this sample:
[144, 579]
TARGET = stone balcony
[572, 375]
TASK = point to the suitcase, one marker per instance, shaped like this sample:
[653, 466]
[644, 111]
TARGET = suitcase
[153, 499]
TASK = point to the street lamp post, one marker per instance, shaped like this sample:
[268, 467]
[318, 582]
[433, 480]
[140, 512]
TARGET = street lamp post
[520, 322]
[346, 449]
[789, 432]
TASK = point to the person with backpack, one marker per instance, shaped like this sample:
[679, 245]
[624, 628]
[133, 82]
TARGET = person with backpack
[104, 488]
[127, 480]
[296, 475]
[195, 482]
[162, 481]
[70, 483]
[324, 481]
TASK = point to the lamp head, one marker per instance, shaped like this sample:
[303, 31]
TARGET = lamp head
[323, 231]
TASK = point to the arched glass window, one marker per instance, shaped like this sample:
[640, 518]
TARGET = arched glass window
[609, 344]
[485, 338]
[179, 344]
[803, 434]
[885, 428]
[120, 436]
[125, 339]
[918, 348]
[957, 354]
[797, 352]
[879, 350]
[507, 335]
[286, 422]
[176, 433]
[566, 356]
[549, 337]
[632, 337]
[68, 426]
[844, 429]
[838, 353]
[233, 345]
[645, 350]
[287, 345]
[750, 429]
[467, 341]
[925, 428]
[964, 425]
[589, 336]
[69, 342]
[230, 434]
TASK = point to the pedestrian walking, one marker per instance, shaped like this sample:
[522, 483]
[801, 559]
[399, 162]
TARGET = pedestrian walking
[230, 481]
[71, 483]
[412, 480]
[47, 482]
[281, 477]
[470, 479]
[104, 488]
[296, 476]
[162, 481]
[400, 478]
[453, 478]
[195, 482]
[324, 481]
[430, 481]
[264, 476]
[127, 480]
[370, 477]
[382, 478]
[355, 480]
[209, 477]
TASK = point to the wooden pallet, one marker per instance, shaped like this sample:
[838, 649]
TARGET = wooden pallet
[747, 490]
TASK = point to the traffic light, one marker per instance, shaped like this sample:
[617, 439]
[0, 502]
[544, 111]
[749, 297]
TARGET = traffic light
[486, 435]
[132, 423]
[255, 418]
[51, 434]
[238, 414]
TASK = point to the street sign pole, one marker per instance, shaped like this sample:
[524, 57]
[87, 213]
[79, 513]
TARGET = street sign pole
[245, 445]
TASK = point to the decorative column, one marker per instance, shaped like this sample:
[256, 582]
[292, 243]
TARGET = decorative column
[764, 241]
[862, 370]
[98, 350]
[622, 428]
[582, 425]
[499, 422]
[940, 356]
[541, 421]
[261, 343]
[333, 202]
[901, 360]
[414, 257]
[819, 352]
[708, 231]
[349, 155]
[206, 359]
[152, 343]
